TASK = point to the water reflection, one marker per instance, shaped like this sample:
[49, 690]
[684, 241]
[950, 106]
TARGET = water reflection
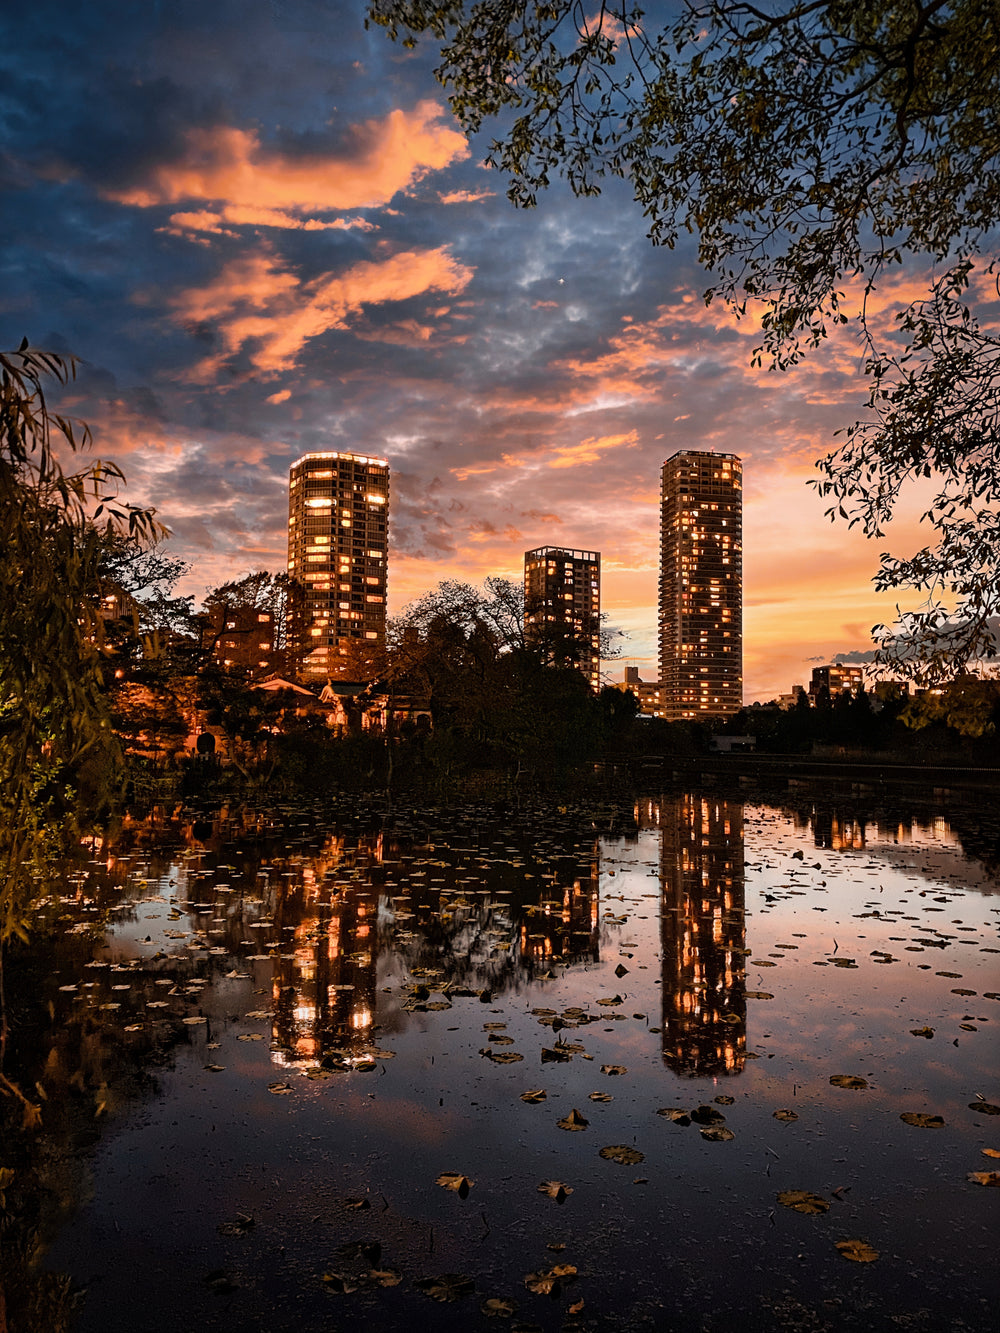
[702, 932]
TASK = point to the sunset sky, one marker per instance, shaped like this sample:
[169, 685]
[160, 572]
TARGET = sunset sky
[262, 233]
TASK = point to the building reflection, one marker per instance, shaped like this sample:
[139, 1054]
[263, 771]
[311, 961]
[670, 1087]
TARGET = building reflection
[565, 925]
[324, 975]
[702, 932]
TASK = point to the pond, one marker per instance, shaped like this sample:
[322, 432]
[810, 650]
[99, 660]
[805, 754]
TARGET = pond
[708, 1065]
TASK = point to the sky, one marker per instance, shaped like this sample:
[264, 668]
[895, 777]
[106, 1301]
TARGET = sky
[261, 232]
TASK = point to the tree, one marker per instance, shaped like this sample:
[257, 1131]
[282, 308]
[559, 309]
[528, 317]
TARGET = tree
[59, 759]
[813, 146]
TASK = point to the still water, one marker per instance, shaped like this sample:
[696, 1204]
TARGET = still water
[536, 1071]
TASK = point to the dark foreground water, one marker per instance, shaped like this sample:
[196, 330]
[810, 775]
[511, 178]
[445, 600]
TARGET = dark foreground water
[730, 1067]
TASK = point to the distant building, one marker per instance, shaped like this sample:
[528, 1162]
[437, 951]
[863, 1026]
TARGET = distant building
[647, 692]
[338, 543]
[242, 638]
[562, 607]
[837, 679]
[701, 585]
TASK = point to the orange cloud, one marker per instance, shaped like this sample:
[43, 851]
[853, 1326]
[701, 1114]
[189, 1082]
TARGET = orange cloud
[258, 306]
[466, 196]
[260, 186]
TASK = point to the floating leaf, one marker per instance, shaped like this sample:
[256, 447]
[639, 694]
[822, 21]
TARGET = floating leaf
[804, 1201]
[498, 1308]
[355, 1203]
[786, 1115]
[501, 1057]
[623, 1154]
[857, 1250]
[573, 1121]
[723, 1100]
[717, 1133]
[215, 1069]
[991, 1152]
[611, 1000]
[193, 1020]
[551, 1054]
[601, 1097]
[614, 1069]
[707, 1115]
[984, 1177]
[922, 1032]
[675, 1113]
[534, 1095]
[758, 995]
[454, 1180]
[848, 1081]
[446, 1287]
[279, 1089]
[386, 1277]
[922, 1121]
[551, 1281]
[984, 1108]
[555, 1189]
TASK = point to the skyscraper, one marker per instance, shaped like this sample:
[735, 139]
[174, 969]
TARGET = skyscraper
[701, 585]
[337, 553]
[562, 607]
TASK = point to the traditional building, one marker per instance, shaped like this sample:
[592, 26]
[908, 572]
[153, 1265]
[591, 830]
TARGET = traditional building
[337, 557]
[701, 585]
[562, 607]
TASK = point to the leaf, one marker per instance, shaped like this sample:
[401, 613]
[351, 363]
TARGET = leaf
[551, 1281]
[555, 1054]
[555, 1189]
[455, 1181]
[534, 1095]
[984, 1108]
[859, 1251]
[446, 1287]
[498, 1308]
[279, 1089]
[848, 1081]
[922, 1032]
[803, 1201]
[613, 1069]
[723, 1100]
[984, 1177]
[601, 1097]
[675, 1113]
[786, 1115]
[717, 1133]
[611, 1000]
[386, 1277]
[991, 1152]
[573, 1121]
[707, 1115]
[922, 1121]
[623, 1154]
[501, 1057]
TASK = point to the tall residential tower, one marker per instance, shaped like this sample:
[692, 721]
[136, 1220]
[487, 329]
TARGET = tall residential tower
[562, 607]
[337, 548]
[701, 585]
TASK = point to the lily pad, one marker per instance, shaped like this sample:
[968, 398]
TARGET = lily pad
[573, 1121]
[803, 1201]
[984, 1177]
[717, 1133]
[859, 1251]
[555, 1189]
[534, 1095]
[675, 1113]
[446, 1287]
[786, 1115]
[614, 1069]
[623, 1154]
[551, 1281]
[848, 1081]
[455, 1181]
[985, 1108]
[707, 1115]
[601, 1097]
[922, 1121]
[498, 1308]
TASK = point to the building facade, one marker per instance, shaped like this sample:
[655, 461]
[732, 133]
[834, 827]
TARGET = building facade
[838, 679]
[338, 533]
[562, 607]
[701, 585]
